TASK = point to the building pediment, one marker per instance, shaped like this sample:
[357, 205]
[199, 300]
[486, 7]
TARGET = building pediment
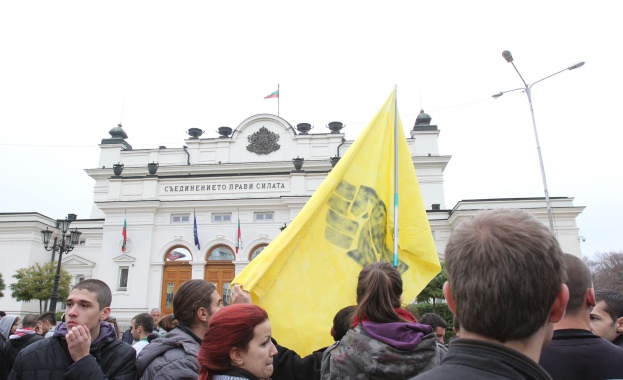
[125, 258]
[77, 261]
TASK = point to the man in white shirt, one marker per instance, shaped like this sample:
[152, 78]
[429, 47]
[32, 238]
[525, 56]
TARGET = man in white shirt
[142, 326]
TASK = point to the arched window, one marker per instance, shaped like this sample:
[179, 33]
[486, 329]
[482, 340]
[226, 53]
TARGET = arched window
[256, 250]
[220, 253]
[178, 254]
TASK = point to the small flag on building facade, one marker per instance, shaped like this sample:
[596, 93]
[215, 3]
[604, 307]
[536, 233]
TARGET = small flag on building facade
[195, 231]
[124, 233]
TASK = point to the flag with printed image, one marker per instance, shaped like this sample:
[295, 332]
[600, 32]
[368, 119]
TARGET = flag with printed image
[195, 231]
[309, 272]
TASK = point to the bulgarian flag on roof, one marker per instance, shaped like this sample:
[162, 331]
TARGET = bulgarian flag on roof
[274, 94]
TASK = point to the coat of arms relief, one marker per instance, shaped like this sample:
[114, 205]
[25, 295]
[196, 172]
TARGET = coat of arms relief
[263, 141]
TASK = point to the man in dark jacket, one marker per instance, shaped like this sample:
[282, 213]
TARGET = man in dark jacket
[575, 352]
[84, 347]
[22, 338]
[607, 316]
[506, 286]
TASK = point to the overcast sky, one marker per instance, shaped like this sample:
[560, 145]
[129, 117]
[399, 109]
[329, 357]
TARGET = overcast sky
[71, 70]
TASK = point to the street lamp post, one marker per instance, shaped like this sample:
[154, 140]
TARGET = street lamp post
[65, 245]
[528, 90]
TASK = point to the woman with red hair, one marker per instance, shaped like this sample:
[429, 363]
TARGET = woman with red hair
[237, 345]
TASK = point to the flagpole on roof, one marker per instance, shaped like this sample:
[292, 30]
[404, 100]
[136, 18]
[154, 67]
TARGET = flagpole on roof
[396, 176]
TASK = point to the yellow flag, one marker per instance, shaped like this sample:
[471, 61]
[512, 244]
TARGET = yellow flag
[310, 270]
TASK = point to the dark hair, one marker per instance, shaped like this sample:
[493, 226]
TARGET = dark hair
[48, 316]
[2, 314]
[433, 320]
[510, 262]
[29, 321]
[190, 297]
[152, 336]
[613, 302]
[101, 290]
[579, 281]
[343, 321]
[231, 327]
[378, 293]
[145, 321]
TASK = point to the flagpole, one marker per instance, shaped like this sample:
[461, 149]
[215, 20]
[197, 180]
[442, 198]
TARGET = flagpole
[238, 233]
[396, 176]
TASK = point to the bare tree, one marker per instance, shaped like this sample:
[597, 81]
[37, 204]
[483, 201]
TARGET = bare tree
[607, 268]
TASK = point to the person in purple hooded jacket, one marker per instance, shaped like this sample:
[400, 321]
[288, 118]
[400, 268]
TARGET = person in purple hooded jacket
[84, 347]
[385, 342]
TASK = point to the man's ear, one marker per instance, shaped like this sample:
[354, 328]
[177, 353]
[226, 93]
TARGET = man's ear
[447, 293]
[104, 313]
[590, 297]
[202, 314]
[619, 325]
[560, 304]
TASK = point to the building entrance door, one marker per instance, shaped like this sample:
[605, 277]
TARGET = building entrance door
[221, 274]
[175, 274]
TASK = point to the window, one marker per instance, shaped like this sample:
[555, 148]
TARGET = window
[226, 293]
[180, 218]
[178, 254]
[221, 253]
[221, 218]
[122, 284]
[263, 216]
[79, 278]
[257, 250]
[169, 294]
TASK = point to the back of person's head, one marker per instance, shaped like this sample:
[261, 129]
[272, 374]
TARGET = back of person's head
[112, 320]
[48, 316]
[433, 320]
[231, 327]
[343, 321]
[152, 336]
[102, 291]
[29, 321]
[505, 269]
[379, 289]
[2, 314]
[579, 281]
[613, 302]
[190, 297]
[145, 321]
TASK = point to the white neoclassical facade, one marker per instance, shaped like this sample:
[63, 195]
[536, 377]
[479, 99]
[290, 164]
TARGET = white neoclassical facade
[244, 175]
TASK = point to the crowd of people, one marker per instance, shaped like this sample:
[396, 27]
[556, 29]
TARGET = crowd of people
[522, 310]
